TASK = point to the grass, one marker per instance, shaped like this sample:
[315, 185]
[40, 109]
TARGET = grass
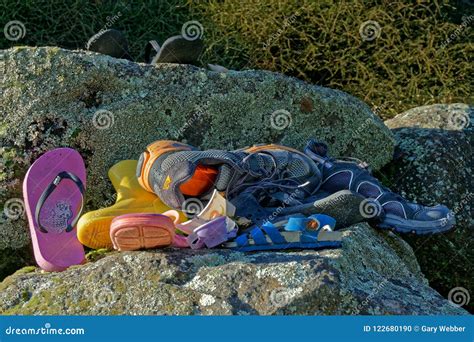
[408, 65]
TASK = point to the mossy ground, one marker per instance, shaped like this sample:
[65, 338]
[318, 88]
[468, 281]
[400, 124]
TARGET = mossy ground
[408, 65]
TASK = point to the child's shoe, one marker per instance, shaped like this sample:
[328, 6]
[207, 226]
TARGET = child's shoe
[93, 229]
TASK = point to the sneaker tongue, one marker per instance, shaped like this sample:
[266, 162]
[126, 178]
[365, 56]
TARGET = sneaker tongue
[224, 176]
[260, 163]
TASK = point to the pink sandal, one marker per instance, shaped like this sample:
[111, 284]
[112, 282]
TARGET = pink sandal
[53, 191]
[131, 232]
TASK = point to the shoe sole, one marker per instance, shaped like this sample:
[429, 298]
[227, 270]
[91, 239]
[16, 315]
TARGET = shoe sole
[179, 50]
[343, 206]
[94, 229]
[137, 237]
[257, 248]
[134, 233]
[399, 225]
[95, 234]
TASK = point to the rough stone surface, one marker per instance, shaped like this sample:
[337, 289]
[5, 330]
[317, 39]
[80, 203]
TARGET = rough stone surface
[110, 109]
[433, 164]
[374, 273]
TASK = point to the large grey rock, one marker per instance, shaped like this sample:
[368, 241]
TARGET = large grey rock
[110, 109]
[374, 273]
[434, 164]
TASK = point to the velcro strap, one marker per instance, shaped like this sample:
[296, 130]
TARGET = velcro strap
[324, 220]
[258, 236]
[296, 224]
[273, 233]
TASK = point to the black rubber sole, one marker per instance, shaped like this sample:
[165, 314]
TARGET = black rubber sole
[343, 206]
[179, 50]
[415, 228]
[110, 42]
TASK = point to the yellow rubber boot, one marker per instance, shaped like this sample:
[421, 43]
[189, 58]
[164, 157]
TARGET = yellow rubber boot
[93, 229]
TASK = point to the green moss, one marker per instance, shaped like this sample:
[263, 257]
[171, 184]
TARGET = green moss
[25, 295]
[26, 269]
[96, 254]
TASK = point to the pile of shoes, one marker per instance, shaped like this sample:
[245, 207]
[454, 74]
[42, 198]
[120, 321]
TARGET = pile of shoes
[265, 197]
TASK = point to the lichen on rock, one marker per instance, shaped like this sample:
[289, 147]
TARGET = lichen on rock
[365, 276]
[433, 164]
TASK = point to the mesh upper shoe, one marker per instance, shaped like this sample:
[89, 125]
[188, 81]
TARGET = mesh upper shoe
[398, 213]
[267, 170]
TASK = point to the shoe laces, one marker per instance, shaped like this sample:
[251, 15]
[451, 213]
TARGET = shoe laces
[318, 152]
[248, 179]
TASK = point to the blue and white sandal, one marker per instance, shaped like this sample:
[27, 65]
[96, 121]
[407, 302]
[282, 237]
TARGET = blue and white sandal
[313, 232]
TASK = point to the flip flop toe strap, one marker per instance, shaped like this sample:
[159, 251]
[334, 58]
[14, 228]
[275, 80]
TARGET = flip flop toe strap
[50, 189]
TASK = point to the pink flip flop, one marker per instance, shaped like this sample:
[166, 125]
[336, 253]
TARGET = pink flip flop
[53, 191]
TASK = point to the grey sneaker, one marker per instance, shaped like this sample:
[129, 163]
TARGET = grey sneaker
[267, 172]
[395, 212]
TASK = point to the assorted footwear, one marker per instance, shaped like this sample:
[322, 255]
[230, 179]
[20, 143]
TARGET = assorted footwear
[264, 197]
[93, 228]
[176, 195]
[176, 49]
